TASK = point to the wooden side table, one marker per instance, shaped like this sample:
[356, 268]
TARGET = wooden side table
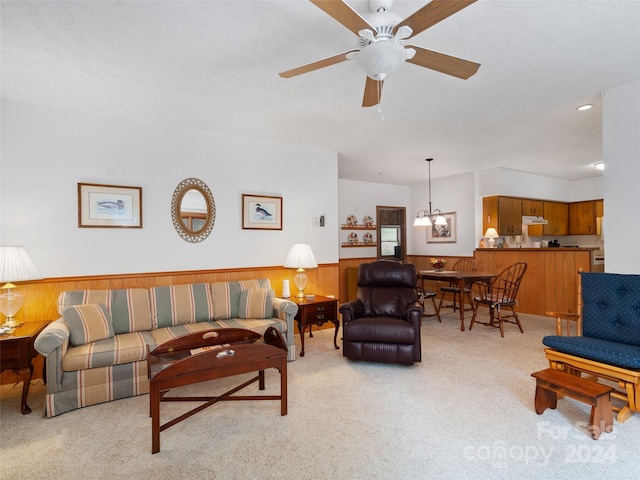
[17, 352]
[317, 311]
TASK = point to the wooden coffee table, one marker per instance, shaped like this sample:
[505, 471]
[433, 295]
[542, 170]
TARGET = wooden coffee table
[234, 352]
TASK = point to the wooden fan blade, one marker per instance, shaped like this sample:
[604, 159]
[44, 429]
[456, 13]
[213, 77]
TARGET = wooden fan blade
[440, 62]
[432, 13]
[325, 62]
[372, 92]
[344, 14]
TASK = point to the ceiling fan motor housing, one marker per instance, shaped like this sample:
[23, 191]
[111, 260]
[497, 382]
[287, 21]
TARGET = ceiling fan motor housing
[385, 54]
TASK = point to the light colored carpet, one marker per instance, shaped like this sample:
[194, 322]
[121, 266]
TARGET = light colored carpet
[465, 412]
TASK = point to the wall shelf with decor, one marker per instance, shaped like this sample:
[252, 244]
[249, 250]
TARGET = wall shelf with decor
[367, 238]
[359, 244]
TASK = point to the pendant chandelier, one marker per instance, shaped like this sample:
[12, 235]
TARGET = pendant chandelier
[426, 218]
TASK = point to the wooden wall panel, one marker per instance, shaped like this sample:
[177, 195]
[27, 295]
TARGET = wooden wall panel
[550, 281]
[41, 296]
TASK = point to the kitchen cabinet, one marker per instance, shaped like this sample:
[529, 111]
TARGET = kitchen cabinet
[532, 207]
[557, 214]
[535, 208]
[502, 213]
[582, 218]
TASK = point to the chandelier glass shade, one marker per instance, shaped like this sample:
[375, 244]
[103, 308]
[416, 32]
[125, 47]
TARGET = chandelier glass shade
[426, 218]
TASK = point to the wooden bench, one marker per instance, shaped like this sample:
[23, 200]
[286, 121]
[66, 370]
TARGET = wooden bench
[550, 383]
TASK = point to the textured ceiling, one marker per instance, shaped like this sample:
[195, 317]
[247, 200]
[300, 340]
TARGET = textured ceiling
[213, 65]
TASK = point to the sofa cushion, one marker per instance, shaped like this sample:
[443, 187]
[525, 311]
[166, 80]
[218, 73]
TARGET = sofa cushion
[226, 299]
[130, 308]
[119, 349]
[611, 353]
[226, 296]
[256, 303]
[179, 304]
[87, 323]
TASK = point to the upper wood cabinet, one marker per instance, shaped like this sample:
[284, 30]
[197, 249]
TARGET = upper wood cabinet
[505, 215]
[536, 208]
[582, 217]
[502, 213]
[557, 214]
[532, 207]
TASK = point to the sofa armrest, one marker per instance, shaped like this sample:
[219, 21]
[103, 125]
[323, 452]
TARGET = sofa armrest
[52, 343]
[351, 310]
[567, 318]
[286, 310]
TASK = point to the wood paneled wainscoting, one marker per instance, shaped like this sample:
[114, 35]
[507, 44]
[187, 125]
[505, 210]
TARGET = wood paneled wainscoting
[41, 296]
[421, 262]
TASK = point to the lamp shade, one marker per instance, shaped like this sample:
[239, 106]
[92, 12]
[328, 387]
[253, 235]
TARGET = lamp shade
[300, 256]
[491, 233]
[16, 266]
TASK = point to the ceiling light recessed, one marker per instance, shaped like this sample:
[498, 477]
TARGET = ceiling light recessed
[588, 106]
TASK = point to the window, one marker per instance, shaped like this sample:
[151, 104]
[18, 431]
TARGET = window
[389, 239]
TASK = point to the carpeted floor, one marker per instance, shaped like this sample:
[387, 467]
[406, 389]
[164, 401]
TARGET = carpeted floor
[465, 412]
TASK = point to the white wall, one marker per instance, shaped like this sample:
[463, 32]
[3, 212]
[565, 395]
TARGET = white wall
[461, 194]
[449, 194]
[46, 152]
[621, 148]
[361, 199]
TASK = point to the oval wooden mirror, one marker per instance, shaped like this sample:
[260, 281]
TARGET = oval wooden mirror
[193, 210]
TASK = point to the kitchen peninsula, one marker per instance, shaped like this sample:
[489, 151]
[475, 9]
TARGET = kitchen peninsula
[550, 283]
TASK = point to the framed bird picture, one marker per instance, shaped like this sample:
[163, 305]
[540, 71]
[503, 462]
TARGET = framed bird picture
[109, 206]
[261, 212]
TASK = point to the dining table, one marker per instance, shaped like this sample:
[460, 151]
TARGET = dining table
[462, 278]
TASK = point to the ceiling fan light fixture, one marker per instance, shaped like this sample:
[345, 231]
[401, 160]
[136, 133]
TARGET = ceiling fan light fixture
[381, 59]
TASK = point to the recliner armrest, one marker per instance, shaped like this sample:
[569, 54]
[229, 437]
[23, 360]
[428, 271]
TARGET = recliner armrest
[414, 307]
[352, 310]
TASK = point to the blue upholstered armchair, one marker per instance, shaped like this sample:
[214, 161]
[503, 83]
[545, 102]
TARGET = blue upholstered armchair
[605, 340]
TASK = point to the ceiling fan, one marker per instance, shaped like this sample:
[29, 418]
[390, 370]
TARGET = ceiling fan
[381, 39]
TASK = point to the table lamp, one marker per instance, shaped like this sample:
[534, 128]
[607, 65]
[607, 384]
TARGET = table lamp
[15, 266]
[491, 234]
[300, 257]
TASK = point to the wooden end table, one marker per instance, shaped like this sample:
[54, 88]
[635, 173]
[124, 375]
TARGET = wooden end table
[316, 312]
[17, 352]
[232, 352]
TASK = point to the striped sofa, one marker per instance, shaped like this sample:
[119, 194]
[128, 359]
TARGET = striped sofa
[96, 351]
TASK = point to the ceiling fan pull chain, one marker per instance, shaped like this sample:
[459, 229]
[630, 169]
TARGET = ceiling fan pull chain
[380, 103]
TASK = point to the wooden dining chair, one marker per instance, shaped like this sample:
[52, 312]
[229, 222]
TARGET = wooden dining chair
[501, 293]
[453, 289]
[424, 294]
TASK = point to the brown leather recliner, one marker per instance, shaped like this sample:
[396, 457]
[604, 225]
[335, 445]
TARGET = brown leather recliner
[383, 324]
